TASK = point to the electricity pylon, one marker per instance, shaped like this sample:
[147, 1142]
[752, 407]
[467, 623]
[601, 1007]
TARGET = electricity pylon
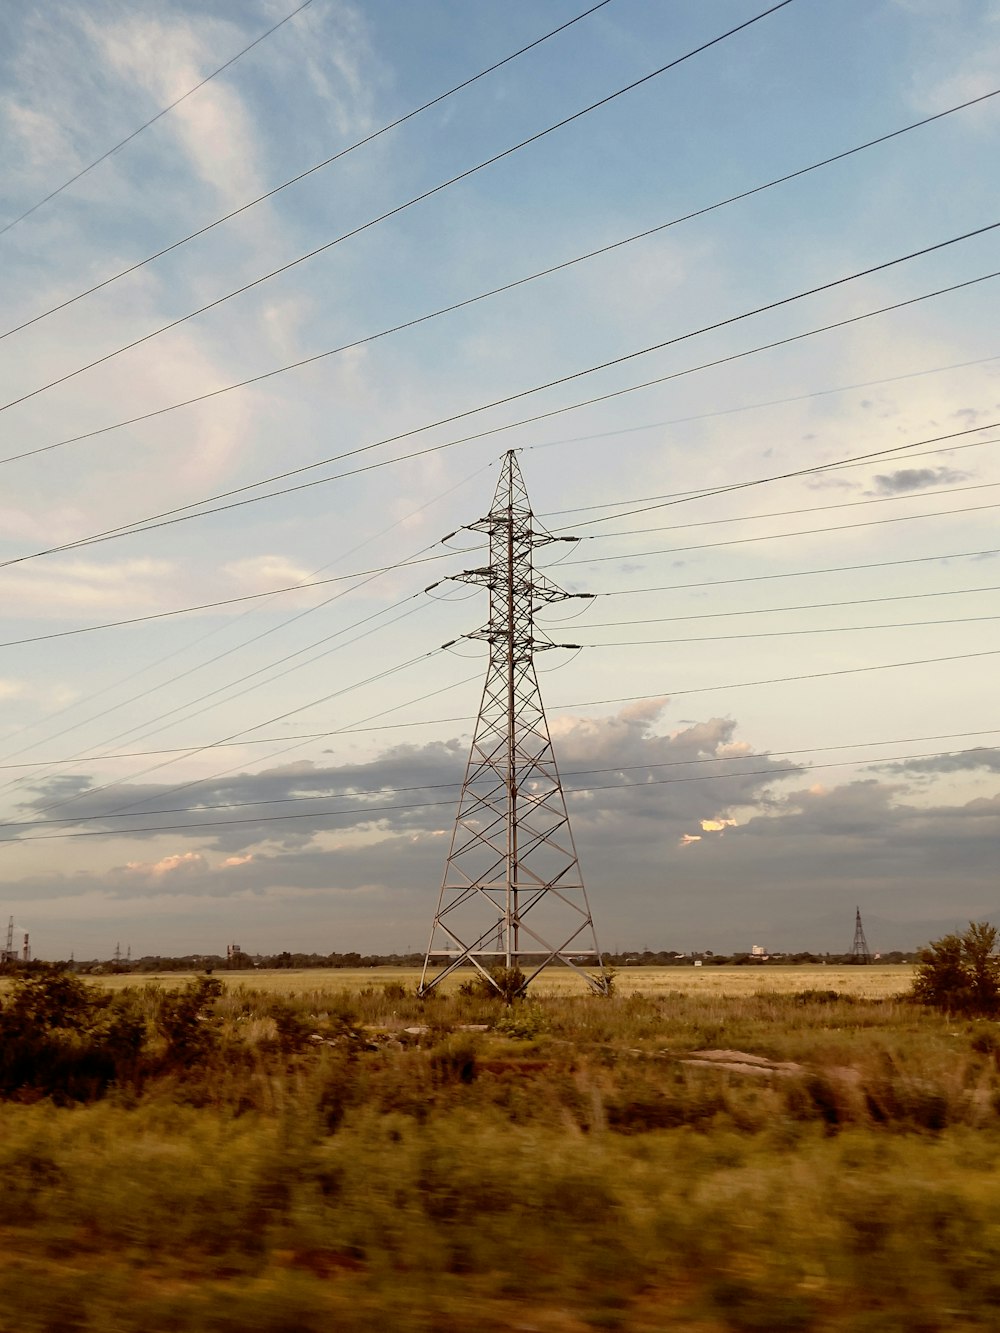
[512, 895]
[859, 951]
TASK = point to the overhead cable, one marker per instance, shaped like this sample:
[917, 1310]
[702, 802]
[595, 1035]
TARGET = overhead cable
[354, 791]
[804, 573]
[227, 601]
[269, 194]
[781, 536]
[776, 610]
[780, 680]
[291, 712]
[733, 411]
[468, 301]
[339, 578]
[135, 133]
[392, 212]
[365, 578]
[180, 514]
[790, 633]
[779, 513]
[378, 811]
[700, 493]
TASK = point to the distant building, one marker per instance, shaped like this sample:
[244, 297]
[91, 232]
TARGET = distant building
[758, 951]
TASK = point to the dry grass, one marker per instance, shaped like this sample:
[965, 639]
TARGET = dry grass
[326, 1150]
[875, 982]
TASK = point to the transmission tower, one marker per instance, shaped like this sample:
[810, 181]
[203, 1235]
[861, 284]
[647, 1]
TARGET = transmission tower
[859, 952]
[9, 956]
[512, 895]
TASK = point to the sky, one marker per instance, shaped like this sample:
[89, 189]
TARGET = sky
[789, 687]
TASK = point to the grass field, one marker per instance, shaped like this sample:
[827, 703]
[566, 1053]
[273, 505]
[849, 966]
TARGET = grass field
[874, 982]
[711, 1150]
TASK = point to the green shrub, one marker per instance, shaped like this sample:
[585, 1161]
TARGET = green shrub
[961, 973]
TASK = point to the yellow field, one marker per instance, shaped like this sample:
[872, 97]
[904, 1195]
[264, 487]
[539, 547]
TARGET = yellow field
[876, 981]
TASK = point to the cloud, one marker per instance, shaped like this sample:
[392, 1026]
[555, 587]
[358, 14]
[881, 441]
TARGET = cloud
[179, 862]
[915, 479]
[982, 758]
[165, 59]
[80, 587]
[789, 867]
[260, 572]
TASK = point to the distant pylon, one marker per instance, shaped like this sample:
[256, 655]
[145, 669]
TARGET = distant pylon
[859, 953]
[512, 895]
[9, 955]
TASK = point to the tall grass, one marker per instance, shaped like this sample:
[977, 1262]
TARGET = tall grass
[308, 1162]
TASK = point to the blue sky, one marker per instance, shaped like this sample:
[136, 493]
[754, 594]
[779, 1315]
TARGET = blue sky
[779, 859]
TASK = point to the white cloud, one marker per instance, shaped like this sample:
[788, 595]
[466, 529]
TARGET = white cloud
[259, 572]
[166, 59]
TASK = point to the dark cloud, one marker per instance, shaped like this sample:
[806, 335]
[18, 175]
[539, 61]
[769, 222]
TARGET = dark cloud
[663, 862]
[915, 479]
[966, 761]
[803, 867]
[612, 764]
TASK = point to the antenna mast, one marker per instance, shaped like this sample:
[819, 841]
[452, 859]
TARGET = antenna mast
[512, 894]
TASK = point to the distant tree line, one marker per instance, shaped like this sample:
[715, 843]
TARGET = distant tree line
[244, 962]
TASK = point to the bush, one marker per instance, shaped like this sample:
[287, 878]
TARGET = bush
[961, 973]
[60, 1039]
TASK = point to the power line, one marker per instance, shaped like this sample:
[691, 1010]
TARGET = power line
[780, 513]
[853, 460]
[774, 610]
[185, 786]
[784, 680]
[802, 573]
[355, 791]
[743, 407]
[347, 689]
[700, 493]
[468, 717]
[380, 810]
[240, 680]
[288, 621]
[200, 666]
[366, 578]
[148, 728]
[787, 633]
[167, 518]
[269, 194]
[152, 121]
[392, 212]
[229, 601]
[780, 536]
[459, 305]
[340, 578]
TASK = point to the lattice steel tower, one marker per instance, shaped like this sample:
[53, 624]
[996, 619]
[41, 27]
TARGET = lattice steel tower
[512, 894]
[859, 951]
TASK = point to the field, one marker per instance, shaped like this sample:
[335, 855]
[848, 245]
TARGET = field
[709, 1150]
[875, 982]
